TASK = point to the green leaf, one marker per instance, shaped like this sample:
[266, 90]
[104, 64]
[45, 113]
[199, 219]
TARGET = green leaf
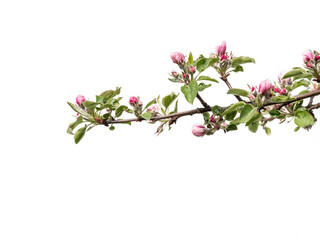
[267, 130]
[206, 78]
[300, 83]
[146, 115]
[110, 94]
[255, 118]
[231, 116]
[153, 101]
[216, 110]
[274, 112]
[111, 128]
[238, 92]
[203, 86]
[232, 127]
[233, 107]
[241, 60]
[203, 63]
[79, 110]
[253, 127]
[206, 117]
[120, 110]
[99, 99]
[303, 118]
[279, 99]
[79, 134]
[74, 124]
[167, 100]
[293, 72]
[238, 68]
[190, 91]
[247, 113]
[90, 105]
[190, 59]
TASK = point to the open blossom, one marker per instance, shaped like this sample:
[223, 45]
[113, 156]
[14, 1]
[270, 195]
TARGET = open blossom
[307, 56]
[133, 100]
[198, 130]
[80, 99]
[177, 57]
[265, 86]
[221, 49]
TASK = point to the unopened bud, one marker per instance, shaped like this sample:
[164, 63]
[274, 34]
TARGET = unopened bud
[198, 130]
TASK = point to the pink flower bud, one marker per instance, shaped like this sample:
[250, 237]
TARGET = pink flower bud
[221, 49]
[223, 57]
[224, 125]
[177, 57]
[174, 74]
[152, 109]
[283, 91]
[252, 97]
[309, 65]
[252, 89]
[192, 69]
[198, 130]
[276, 90]
[307, 56]
[186, 76]
[318, 57]
[80, 99]
[133, 100]
[265, 86]
[212, 119]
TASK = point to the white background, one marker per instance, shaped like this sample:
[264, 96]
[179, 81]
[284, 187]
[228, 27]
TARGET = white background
[131, 184]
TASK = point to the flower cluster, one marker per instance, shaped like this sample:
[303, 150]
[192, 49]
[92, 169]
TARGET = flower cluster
[254, 107]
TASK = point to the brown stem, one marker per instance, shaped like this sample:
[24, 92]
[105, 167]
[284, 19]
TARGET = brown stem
[208, 109]
[225, 79]
[202, 101]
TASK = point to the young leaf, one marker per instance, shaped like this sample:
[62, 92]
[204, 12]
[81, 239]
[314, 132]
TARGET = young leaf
[241, 60]
[268, 130]
[293, 73]
[150, 103]
[167, 100]
[190, 59]
[303, 118]
[190, 91]
[79, 134]
[90, 105]
[232, 127]
[146, 115]
[206, 117]
[254, 127]
[206, 78]
[203, 86]
[238, 92]
[120, 110]
[238, 69]
[247, 113]
[233, 107]
[74, 125]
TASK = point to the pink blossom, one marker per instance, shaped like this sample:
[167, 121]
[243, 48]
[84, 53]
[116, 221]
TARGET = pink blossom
[283, 91]
[252, 89]
[318, 57]
[265, 86]
[221, 49]
[174, 74]
[276, 90]
[177, 57]
[307, 56]
[133, 100]
[223, 57]
[192, 69]
[80, 99]
[152, 109]
[309, 65]
[212, 119]
[198, 130]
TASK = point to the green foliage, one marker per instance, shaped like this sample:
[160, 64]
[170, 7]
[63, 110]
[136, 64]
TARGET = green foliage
[146, 115]
[241, 60]
[206, 78]
[190, 58]
[303, 118]
[190, 91]
[73, 125]
[120, 110]
[169, 99]
[203, 86]
[293, 73]
[233, 107]
[238, 92]
[203, 63]
[247, 113]
[79, 134]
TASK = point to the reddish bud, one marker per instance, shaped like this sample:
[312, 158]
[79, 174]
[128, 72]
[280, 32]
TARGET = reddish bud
[309, 65]
[212, 119]
[198, 130]
[221, 49]
[133, 100]
[174, 74]
[318, 57]
[276, 90]
[223, 57]
[177, 57]
[192, 69]
[80, 99]
[252, 89]
[283, 91]
[265, 86]
[307, 56]
[98, 120]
